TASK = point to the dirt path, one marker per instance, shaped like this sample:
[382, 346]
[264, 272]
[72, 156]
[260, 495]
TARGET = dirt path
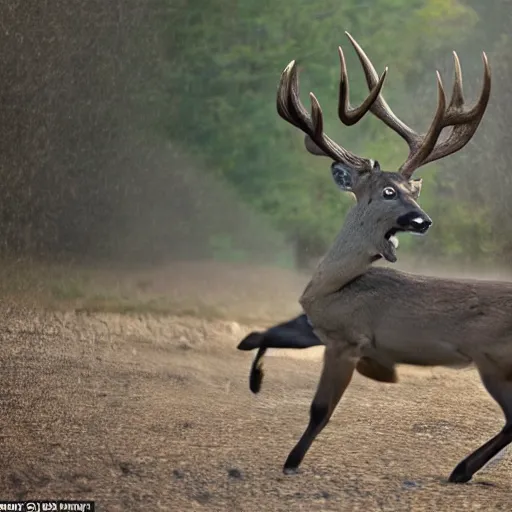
[149, 414]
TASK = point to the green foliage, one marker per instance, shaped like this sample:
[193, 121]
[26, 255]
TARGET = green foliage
[224, 250]
[224, 62]
[154, 134]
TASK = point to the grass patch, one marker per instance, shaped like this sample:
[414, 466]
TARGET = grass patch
[208, 290]
[162, 306]
[67, 290]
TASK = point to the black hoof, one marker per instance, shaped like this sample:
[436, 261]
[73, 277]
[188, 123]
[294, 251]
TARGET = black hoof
[290, 470]
[291, 466]
[460, 475]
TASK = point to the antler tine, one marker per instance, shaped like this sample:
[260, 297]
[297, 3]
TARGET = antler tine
[457, 92]
[329, 147]
[464, 122]
[456, 114]
[290, 108]
[290, 111]
[380, 108]
[426, 148]
[428, 143]
[317, 115]
[351, 115]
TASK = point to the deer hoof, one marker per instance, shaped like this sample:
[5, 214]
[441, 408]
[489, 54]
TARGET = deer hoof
[460, 474]
[290, 471]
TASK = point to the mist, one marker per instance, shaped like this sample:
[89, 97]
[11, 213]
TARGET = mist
[142, 138]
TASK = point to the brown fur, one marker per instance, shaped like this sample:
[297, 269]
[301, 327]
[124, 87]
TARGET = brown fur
[376, 371]
[379, 316]
[374, 318]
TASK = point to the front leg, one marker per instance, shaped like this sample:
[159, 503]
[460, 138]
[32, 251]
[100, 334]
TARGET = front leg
[337, 371]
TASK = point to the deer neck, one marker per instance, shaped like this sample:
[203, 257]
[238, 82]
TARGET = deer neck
[349, 256]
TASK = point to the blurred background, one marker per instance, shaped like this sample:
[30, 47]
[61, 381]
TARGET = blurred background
[140, 144]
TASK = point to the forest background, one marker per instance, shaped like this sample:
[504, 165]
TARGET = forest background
[139, 133]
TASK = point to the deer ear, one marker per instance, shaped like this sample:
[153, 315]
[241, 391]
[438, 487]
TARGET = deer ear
[416, 187]
[344, 176]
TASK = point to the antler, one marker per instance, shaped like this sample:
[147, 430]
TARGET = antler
[317, 142]
[426, 148]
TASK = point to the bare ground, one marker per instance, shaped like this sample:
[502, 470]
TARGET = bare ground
[145, 412]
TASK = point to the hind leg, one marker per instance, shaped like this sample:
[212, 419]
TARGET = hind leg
[298, 334]
[500, 388]
[294, 334]
[256, 374]
[373, 369]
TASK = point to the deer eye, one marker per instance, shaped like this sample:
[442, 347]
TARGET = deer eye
[389, 193]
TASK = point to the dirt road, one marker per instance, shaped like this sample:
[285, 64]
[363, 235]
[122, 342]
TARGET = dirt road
[155, 414]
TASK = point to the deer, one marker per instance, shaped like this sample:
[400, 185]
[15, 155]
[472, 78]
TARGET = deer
[372, 318]
[298, 333]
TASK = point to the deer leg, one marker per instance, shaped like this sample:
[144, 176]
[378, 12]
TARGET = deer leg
[336, 375]
[500, 389]
[373, 369]
[296, 333]
[256, 374]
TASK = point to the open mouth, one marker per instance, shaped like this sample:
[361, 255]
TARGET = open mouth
[391, 240]
[411, 222]
[391, 237]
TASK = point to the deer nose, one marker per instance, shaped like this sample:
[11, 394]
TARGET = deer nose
[416, 221]
[421, 223]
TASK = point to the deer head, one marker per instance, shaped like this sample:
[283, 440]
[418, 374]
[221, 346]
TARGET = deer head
[386, 201]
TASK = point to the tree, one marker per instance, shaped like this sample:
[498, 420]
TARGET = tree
[224, 64]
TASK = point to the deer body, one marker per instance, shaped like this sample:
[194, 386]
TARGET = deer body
[371, 319]
[401, 318]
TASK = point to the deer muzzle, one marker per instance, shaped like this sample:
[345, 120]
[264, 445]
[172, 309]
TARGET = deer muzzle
[416, 222]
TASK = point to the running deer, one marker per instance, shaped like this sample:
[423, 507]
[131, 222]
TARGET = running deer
[371, 319]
